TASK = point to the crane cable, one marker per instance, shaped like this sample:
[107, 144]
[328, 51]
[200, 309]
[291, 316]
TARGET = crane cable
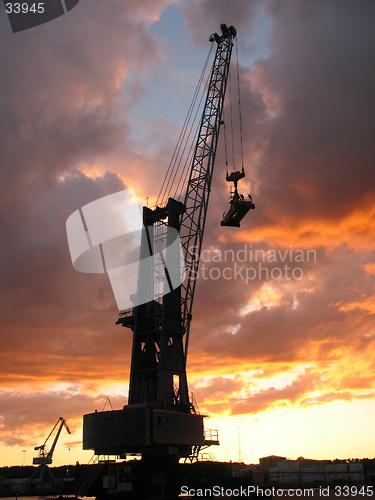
[231, 120]
[224, 122]
[163, 194]
[184, 138]
[189, 158]
[185, 170]
[225, 144]
[239, 104]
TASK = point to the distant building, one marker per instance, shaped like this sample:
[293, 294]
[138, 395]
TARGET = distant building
[352, 472]
[279, 470]
[298, 471]
[266, 463]
[12, 486]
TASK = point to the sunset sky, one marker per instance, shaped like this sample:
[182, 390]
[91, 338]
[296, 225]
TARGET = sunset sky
[93, 103]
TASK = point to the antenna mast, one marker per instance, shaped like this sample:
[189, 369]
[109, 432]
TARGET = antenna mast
[239, 448]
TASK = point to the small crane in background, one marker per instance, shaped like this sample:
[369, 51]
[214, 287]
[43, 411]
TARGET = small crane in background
[44, 457]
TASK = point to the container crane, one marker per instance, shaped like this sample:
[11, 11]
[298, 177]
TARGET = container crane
[161, 421]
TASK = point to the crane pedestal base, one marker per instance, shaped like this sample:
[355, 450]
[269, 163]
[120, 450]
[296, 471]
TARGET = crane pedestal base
[138, 429]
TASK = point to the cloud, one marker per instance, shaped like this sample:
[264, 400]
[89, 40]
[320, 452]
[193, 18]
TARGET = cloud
[63, 119]
[320, 142]
[265, 399]
[309, 155]
[244, 395]
[206, 16]
[21, 412]
[48, 308]
[64, 140]
[240, 395]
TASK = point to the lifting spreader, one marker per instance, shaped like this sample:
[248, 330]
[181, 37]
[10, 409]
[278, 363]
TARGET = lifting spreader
[238, 205]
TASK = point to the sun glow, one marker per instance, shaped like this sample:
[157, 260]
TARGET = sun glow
[267, 296]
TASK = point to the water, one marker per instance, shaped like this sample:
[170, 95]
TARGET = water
[28, 498]
[44, 497]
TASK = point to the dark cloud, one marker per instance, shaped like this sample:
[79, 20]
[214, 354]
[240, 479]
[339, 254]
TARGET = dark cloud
[320, 139]
[62, 111]
[286, 321]
[309, 130]
[49, 308]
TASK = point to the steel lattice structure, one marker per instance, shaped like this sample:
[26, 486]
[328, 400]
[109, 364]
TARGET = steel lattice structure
[199, 184]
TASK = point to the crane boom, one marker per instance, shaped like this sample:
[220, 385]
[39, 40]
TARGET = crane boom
[62, 424]
[199, 184]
